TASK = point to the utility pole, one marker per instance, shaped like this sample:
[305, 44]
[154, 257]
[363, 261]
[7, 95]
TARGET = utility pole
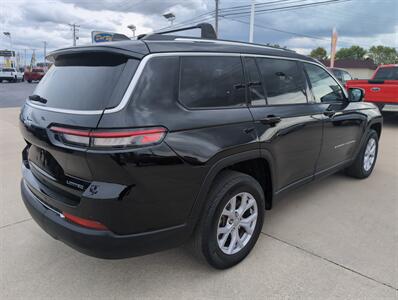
[24, 61]
[45, 50]
[251, 30]
[216, 21]
[75, 29]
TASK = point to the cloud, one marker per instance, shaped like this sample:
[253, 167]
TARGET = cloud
[362, 22]
[146, 7]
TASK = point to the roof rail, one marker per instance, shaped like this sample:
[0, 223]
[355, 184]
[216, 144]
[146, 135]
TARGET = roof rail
[226, 42]
[207, 32]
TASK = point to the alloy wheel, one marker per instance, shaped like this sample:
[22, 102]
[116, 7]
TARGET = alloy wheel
[370, 154]
[237, 223]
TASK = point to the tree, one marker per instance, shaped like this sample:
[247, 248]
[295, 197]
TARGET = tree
[383, 55]
[354, 52]
[319, 53]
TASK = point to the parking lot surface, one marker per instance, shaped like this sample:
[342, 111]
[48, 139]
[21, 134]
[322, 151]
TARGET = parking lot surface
[14, 93]
[335, 238]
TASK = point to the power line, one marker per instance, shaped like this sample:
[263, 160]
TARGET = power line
[260, 4]
[295, 33]
[284, 8]
[241, 10]
[278, 30]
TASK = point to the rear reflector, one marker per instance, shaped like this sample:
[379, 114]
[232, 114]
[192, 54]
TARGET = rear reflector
[84, 222]
[110, 139]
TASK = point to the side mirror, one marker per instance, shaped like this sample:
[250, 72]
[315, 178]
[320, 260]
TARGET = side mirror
[355, 95]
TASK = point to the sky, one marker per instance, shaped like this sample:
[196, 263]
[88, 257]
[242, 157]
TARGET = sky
[360, 22]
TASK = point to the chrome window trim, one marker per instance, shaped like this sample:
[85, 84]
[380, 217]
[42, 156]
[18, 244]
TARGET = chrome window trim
[141, 67]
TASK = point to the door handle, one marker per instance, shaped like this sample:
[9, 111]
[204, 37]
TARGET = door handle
[329, 113]
[271, 120]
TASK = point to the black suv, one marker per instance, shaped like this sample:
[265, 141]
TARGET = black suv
[138, 146]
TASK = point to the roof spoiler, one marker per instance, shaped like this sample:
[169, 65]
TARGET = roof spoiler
[206, 32]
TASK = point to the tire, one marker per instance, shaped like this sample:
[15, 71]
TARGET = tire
[365, 161]
[30, 81]
[227, 186]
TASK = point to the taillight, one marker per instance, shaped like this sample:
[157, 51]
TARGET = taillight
[110, 139]
[84, 222]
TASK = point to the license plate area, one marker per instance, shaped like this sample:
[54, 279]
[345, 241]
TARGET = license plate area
[46, 162]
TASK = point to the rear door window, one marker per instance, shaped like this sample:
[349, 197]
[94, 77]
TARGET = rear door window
[211, 81]
[86, 81]
[254, 82]
[284, 81]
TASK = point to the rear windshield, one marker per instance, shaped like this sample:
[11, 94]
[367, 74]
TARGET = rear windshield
[387, 73]
[8, 70]
[86, 81]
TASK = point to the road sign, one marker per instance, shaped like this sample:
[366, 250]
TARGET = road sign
[7, 53]
[102, 36]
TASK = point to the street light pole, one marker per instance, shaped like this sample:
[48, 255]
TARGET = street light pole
[216, 21]
[251, 30]
[45, 50]
[132, 28]
[170, 17]
[8, 34]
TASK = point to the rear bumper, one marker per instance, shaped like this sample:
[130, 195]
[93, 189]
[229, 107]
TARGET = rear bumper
[7, 78]
[102, 244]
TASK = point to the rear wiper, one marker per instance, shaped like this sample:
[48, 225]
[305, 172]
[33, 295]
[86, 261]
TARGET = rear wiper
[37, 98]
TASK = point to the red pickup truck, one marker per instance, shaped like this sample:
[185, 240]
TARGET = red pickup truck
[382, 88]
[34, 74]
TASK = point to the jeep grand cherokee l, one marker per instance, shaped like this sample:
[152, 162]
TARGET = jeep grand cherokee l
[137, 146]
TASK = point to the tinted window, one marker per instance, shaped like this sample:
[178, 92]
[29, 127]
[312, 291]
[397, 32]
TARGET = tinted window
[8, 70]
[86, 82]
[211, 82]
[387, 73]
[157, 86]
[256, 90]
[324, 87]
[284, 82]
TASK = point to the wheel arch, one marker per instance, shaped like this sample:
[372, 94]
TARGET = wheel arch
[377, 127]
[375, 124]
[254, 163]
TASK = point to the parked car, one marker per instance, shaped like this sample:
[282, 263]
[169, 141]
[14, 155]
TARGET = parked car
[382, 88]
[11, 75]
[342, 75]
[36, 74]
[138, 146]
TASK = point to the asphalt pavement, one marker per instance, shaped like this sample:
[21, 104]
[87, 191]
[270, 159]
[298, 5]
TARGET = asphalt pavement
[13, 94]
[332, 239]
